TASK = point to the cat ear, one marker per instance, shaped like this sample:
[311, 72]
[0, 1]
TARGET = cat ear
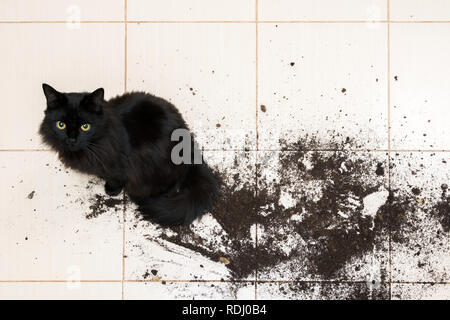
[97, 95]
[94, 100]
[51, 94]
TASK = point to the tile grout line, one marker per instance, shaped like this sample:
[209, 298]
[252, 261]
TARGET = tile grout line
[124, 217]
[388, 12]
[229, 21]
[281, 150]
[225, 281]
[257, 144]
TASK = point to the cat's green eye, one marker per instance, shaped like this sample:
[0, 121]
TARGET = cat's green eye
[60, 125]
[85, 127]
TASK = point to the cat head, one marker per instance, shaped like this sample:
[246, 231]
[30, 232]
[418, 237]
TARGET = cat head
[72, 121]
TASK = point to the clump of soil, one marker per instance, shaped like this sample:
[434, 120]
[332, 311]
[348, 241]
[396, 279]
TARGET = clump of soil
[101, 204]
[380, 169]
[31, 195]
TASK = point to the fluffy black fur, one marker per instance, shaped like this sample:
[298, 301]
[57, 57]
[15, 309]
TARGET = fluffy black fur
[129, 145]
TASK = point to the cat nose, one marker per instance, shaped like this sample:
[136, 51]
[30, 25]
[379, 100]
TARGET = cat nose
[71, 140]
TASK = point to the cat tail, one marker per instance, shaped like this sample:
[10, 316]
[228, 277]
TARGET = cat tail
[197, 195]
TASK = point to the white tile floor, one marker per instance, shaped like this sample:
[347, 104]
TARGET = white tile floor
[368, 78]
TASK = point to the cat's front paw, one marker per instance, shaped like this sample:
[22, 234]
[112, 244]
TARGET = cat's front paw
[112, 190]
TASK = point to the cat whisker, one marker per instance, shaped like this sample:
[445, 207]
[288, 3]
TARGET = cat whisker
[95, 154]
[98, 147]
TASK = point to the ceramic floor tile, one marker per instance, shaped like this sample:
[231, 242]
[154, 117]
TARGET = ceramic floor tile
[189, 290]
[219, 246]
[322, 10]
[421, 291]
[323, 80]
[414, 10]
[60, 291]
[206, 70]
[322, 291]
[222, 10]
[321, 216]
[420, 87]
[71, 11]
[68, 59]
[420, 217]
[56, 224]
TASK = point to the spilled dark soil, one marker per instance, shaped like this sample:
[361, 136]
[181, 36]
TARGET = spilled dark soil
[341, 210]
[101, 204]
[327, 190]
[307, 214]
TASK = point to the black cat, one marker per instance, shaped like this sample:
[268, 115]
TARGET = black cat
[127, 142]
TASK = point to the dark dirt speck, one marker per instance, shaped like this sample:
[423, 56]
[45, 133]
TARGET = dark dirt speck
[380, 170]
[416, 191]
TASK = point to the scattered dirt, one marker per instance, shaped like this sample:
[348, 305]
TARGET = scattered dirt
[317, 215]
[263, 108]
[330, 290]
[292, 64]
[344, 90]
[101, 204]
[328, 224]
[31, 195]
[442, 209]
